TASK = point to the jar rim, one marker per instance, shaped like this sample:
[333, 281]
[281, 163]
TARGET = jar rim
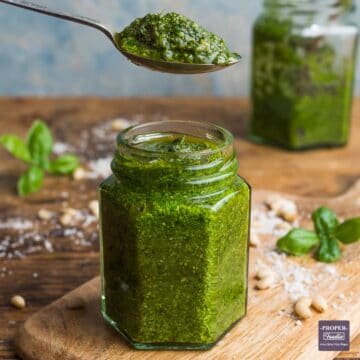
[312, 6]
[126, 136]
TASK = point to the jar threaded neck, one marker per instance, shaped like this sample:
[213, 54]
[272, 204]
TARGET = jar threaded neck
[142, 157]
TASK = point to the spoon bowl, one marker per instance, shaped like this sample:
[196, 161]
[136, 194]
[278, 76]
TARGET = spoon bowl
[153, 64]
[174, 67]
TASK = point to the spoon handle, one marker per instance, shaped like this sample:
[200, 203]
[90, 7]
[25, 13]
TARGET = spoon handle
[61, 15]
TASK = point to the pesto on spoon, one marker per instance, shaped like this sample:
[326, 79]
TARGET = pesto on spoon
[173, 37]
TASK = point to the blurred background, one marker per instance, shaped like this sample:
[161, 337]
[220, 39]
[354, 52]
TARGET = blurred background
[40, 55]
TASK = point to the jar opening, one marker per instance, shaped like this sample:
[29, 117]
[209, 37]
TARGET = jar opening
[175, 139]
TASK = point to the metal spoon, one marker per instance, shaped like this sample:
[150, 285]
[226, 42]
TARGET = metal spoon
[158, 65]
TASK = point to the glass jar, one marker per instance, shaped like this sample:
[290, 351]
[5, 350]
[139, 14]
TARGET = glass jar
[303, 73]
[174, 236]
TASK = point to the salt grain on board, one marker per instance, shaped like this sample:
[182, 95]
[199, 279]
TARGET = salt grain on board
[297, 281]
[48, 246]
[268, 223]
[96, 169]
[60, 148]
[102, 137]
[16, 224]
[100, 168]
[27, 236]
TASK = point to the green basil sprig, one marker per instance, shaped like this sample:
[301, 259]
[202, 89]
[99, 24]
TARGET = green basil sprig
[36, 152]
[325, 239]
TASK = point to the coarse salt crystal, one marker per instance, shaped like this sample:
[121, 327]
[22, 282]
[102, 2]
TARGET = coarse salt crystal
[48, 246]
[16, 224]
[60, 148]
[100, 168]
[330, 269]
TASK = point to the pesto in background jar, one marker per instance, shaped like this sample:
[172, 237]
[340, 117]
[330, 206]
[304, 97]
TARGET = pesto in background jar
[303, 73]
[174, 236]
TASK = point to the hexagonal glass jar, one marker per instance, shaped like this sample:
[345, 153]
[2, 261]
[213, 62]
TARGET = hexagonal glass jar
[174, 236]
[303, 71]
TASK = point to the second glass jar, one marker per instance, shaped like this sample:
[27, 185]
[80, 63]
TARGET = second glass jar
[303, 73]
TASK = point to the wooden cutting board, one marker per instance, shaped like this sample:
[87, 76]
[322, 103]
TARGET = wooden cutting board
[268, 332]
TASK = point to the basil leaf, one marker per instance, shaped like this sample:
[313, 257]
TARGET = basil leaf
[298, 242]
[65, 164]
[30, 181]
[349, 231]
[40, 143]
[329, 250]
[326, 222]
[16, 147]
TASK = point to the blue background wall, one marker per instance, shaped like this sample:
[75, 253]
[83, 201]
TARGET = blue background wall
[45, 56]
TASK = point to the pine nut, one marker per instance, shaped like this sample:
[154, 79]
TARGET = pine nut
[319, 303]
[94, 207]
[265, 283]
[18, 302]
[264, 273]
[254, 240]
[70, 217]
[284, 208]
[119, 124]
[302, 308]
[79, 174]
[66, 219]
[45, 214]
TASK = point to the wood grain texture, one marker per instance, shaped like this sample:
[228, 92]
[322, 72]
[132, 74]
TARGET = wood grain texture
[59, 333]
[313, 173]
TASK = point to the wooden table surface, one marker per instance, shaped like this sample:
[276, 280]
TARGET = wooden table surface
[43, 277]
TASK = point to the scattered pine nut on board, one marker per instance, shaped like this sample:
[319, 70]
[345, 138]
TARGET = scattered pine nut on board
[270, 331]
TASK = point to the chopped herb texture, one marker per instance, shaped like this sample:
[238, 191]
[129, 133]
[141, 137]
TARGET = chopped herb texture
[174, 231]
[175, 38]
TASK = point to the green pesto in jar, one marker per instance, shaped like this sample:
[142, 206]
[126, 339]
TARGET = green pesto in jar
[173, 37]
[302, 82]
[174, 242]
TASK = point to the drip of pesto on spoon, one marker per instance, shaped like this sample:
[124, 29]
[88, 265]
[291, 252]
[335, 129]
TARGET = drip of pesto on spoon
[172, 37]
